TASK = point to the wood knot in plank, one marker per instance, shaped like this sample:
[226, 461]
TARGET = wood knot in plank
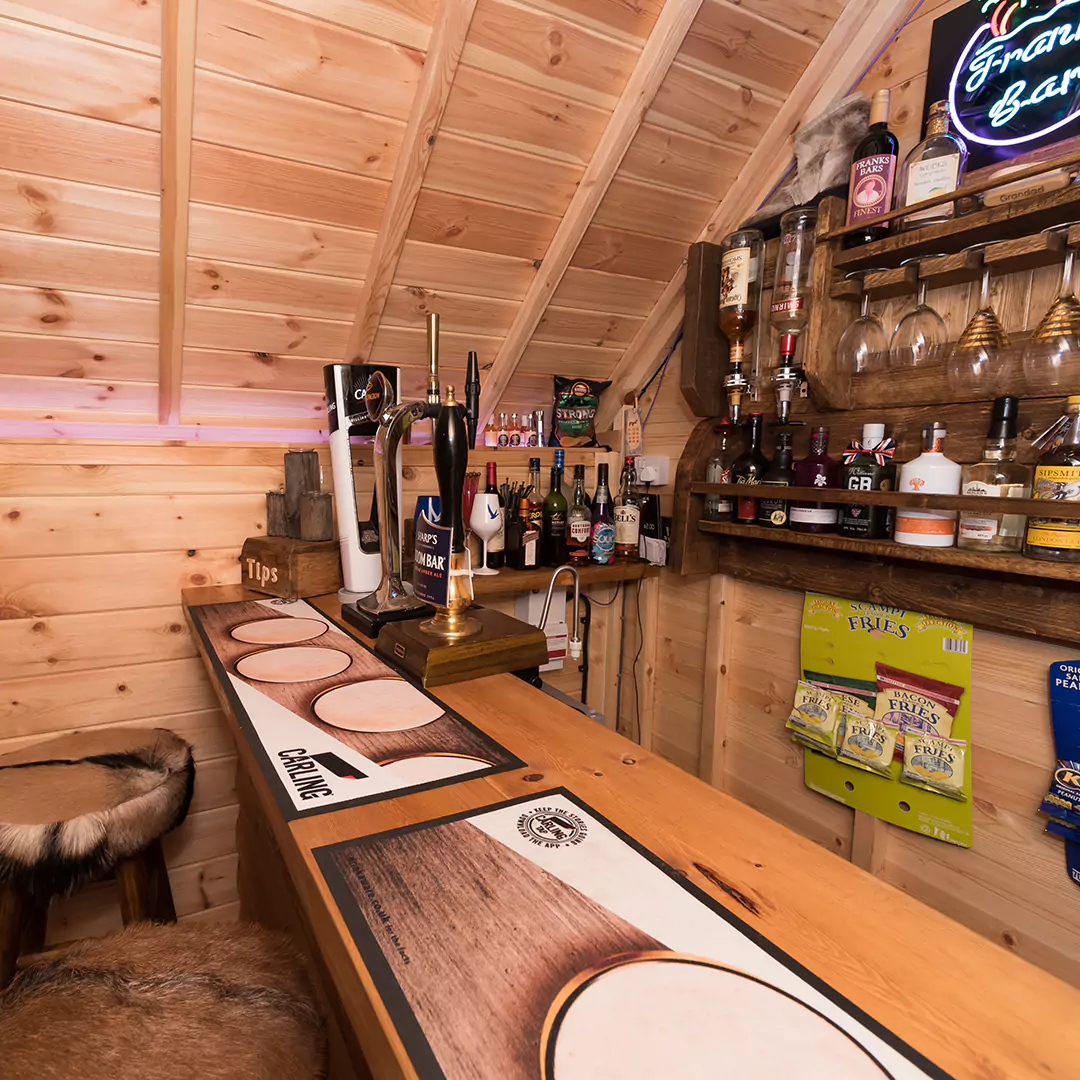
[736, 894]
[533, 777]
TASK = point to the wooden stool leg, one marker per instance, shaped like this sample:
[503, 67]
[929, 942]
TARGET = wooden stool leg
[145, 895]
[14, 906]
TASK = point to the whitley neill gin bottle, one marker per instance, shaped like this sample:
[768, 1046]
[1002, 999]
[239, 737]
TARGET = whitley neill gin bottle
[748, 468]
[931, 473]
[816, 470]
[873, 173]
[868, 467]
[771, 510]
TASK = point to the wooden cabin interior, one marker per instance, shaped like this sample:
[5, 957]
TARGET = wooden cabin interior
[204, 202]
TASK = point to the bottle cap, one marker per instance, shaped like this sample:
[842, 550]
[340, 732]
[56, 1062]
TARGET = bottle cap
[932, 432]
[534, 463]
[724, 422]
[1003, 418]
[872, 434]
[579, 472]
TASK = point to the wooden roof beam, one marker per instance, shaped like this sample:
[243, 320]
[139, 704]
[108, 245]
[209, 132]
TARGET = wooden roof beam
[864, 27]
[444, 52]
[649, 72]
[179, 19]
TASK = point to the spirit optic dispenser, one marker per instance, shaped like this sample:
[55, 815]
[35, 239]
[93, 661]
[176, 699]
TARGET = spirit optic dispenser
[741, 263]
[790, 308]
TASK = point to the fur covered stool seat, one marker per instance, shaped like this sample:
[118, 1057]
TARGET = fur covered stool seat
[228, 1002]
[78, 807]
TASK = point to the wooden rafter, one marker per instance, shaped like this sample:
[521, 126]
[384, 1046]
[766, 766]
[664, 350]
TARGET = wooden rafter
[649, 72]
[444, 52]
[179, 19]
[864, 27]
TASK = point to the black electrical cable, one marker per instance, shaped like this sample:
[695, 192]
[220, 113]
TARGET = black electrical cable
[633, 667]
[584, 666]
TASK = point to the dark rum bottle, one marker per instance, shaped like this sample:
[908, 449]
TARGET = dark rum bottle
[772, 511]
[748, 468]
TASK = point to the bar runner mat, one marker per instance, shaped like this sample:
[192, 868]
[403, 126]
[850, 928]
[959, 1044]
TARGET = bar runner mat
[332, 724]
[533, 940]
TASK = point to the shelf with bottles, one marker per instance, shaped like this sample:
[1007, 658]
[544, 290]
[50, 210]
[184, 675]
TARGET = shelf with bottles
[947, 556]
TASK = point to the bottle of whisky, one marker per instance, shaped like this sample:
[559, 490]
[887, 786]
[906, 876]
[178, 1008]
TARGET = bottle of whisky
[718, 471]
[771, 510]
[816, 470]
[748, 468]
[934, 167]
[867, 466]
[602, 540]
[742, 258]
[553, 533]
[931, 473]
[578, 522]
[1057, 477]
[627, 514]
[873, 172]
[1000, 475]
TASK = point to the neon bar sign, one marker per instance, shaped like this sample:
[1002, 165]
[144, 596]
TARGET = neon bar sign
[1017, 80]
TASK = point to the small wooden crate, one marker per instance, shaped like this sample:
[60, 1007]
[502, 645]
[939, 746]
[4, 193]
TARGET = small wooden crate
[283, 566]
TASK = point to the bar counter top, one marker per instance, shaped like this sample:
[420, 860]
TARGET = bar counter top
[972, 1008]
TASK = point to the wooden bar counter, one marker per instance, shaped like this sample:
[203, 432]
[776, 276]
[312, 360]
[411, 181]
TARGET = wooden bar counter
[969, 1006]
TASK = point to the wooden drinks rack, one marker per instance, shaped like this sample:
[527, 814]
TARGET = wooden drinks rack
[1025, 249]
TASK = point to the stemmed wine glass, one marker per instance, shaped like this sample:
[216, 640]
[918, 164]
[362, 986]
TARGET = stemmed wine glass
[1052, 356]
[863, 347]
[920, 336]
[484, 520]
[977, 361]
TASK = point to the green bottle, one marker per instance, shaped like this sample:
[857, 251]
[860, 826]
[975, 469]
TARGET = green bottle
[553, 529]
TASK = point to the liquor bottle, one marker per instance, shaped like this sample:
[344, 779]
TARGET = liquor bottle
[491, 436]
[771, 510]
[742, 259]
[1057, 476]
[789, 311]
[538, 428]
[602, 540]
[535, 496]
[503, 431]
[514, 431]
[873, 172]
[627, 514]
[496, 547]
[553, 532]
[931, 473]
[934, 167]
[718, 471]
[816, 470]
[867, 466]
[578, 522]
[566, 488]
[526, 555]
[748, 468]
[1000, 475]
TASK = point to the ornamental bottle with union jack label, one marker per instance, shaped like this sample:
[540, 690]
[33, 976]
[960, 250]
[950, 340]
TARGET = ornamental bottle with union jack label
[868, 467]
[931, 473]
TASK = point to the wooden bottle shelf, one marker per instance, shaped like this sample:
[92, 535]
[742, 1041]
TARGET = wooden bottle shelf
[910, 500]
[510, 582]
[951, 556]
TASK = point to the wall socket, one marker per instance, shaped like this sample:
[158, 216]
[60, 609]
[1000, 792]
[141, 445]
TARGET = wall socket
[655, 471]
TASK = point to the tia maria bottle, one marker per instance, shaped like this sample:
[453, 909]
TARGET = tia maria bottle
[748, 468]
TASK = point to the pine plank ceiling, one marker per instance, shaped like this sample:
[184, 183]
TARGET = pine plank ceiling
[299, 111]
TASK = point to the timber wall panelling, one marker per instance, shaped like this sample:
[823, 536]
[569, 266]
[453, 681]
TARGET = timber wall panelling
[298, 114]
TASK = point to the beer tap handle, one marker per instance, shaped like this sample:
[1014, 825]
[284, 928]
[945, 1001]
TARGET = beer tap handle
[433, 394]
[450, 449]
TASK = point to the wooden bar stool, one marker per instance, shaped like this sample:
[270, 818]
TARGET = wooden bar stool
[79, 807]
[229, 1002]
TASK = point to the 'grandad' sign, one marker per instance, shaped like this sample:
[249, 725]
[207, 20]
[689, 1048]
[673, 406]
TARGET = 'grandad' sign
[1010, 71]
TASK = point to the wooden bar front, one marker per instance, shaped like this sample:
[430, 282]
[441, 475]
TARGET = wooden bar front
[968, 1005]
